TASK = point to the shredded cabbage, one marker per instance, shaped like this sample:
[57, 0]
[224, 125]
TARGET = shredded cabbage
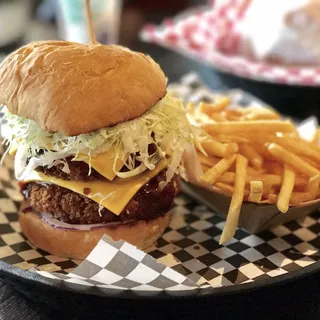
[165, 125]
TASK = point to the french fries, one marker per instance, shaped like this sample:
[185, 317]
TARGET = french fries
[227, 138]
[214, 148]
[254, 113]
[234, 127]
[220, 104]
[232, 148]
[266, 179]
[218, 117]
[255, 156]
[286, 189]
[227, 189]
[299, 147]
[255, 159]
[213, 174]
[293, 160]
[236, 200]
[204, 167]
[208, 161]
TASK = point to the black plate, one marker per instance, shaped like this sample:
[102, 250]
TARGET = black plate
[274, 296]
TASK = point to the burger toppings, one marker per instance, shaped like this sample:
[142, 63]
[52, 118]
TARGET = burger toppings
[97, 141]
[72, 208]
[165, 125]
[113, 195]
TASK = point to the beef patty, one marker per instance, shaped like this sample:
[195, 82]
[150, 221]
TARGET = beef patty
[73, 208]
[78, 171]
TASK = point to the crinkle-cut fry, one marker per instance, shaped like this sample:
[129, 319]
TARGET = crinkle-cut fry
[234, 127]
[213, 174]
[208, 161]
[256, 190]
[299, 147]
[286, 189]
[214, 148]
[231, 224]
[292, 160]
[313, 187]
[316, 138]
[255, 159]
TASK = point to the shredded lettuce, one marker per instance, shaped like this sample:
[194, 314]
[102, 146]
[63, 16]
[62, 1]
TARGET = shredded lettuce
[165, 125]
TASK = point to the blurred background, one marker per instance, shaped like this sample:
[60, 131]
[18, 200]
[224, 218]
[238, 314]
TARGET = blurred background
[287, 45]
[117, 21]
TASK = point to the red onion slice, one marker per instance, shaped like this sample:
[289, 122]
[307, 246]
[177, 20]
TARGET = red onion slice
[55, 223]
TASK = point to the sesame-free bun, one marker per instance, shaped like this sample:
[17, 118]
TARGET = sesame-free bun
[78, 244]
[75, 88]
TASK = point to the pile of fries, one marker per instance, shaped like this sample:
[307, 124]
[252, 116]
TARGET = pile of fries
[250, 154]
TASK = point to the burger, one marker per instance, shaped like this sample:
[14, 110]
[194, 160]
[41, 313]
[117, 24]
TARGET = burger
[98, 144]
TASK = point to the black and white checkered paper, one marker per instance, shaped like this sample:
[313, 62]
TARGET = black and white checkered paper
[187, 256]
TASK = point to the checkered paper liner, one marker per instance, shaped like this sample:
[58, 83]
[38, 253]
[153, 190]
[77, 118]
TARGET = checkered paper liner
[209, 35]
[188, 254]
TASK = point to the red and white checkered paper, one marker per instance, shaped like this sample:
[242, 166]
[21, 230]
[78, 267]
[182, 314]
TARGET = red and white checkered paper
[208, 34]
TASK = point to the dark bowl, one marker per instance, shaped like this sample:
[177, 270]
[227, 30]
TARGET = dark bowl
[292, 100]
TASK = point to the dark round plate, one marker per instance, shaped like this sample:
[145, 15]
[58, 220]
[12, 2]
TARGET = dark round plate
[270, 297]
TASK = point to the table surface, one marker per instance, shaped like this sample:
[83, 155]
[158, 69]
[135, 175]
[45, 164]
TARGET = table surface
[14, 305]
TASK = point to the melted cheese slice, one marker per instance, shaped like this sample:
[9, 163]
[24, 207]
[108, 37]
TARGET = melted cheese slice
[113, 196]
[103, 163]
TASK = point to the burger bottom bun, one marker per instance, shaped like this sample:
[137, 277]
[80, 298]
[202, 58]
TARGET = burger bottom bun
[78, 244]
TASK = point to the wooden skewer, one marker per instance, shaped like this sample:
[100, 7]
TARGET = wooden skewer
[90, 23]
